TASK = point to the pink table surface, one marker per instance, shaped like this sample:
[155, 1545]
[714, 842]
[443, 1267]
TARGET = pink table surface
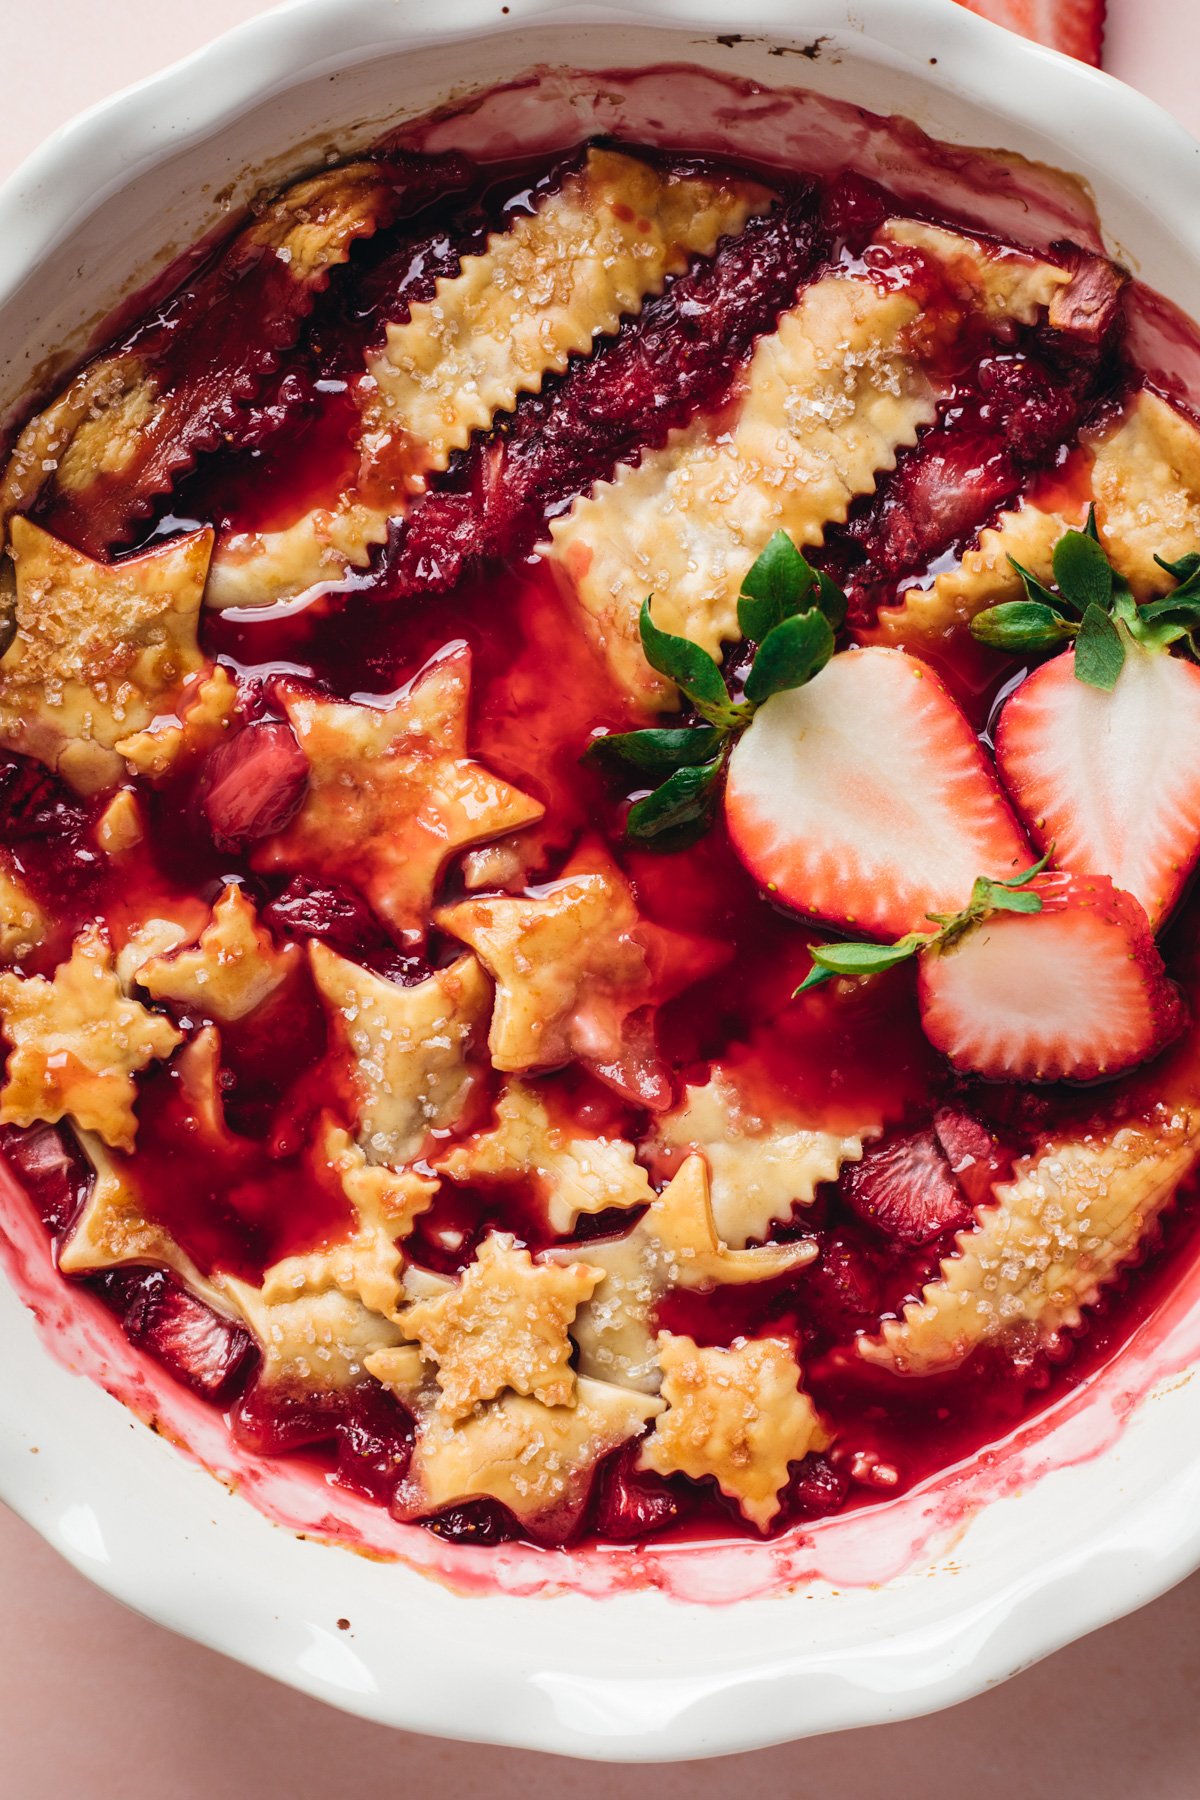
[97, 1702]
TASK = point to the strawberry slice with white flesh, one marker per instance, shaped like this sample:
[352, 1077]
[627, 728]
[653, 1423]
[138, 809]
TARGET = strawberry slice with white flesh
[1111, 779]
[1076, 27]
[863, 798]
[1075, 991]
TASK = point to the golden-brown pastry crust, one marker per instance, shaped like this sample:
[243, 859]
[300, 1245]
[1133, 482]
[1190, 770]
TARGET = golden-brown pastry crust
[393, 793]
[734, 1414]
[77, 1043]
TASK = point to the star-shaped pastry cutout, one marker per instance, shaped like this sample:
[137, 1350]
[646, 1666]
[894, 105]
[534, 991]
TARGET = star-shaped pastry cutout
[112, 1229]
[364, 1266]
[115, 1226]
[417, 1052]
[536, 1460]
[578, 973]
[198, 721]
[318, 1341]
[503, 1325]
[77, 1043]
[762, 1162]
[737, 1415]
[575, 1174]
[232, 968]
[100, 649]
[674, 1244]
[393, 794]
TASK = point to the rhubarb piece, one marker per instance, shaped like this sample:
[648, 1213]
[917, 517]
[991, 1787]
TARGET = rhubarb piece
[130, 424]
[252, 785]
[678, 354]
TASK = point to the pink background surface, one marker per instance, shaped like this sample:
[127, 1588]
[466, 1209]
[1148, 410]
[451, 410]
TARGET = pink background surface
[98, 1702]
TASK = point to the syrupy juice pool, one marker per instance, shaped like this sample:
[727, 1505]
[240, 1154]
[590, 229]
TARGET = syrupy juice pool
[265, 432]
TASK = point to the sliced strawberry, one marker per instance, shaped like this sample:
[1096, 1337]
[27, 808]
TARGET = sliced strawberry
[1111, 779]
[864, 798]
[1076, 992]
[906, 1189]
[1076, 27]
[253, 783]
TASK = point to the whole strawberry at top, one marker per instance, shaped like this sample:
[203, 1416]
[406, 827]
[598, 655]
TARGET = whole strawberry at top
[1100, 746]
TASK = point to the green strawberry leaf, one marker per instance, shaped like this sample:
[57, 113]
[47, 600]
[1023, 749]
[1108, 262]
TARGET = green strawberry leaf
[831, 600]
[777, 585]
[1186, 571]
[1089, 529]
[1082, 571]
[1178, 607]
[1012, 894]
[790, 655]
[833, 960]
[678, 812]
[1019, 625]
[1027, 875]
[691, 669]
[1038, 592]
[997, 896]
[657, 752]
[1099, 650]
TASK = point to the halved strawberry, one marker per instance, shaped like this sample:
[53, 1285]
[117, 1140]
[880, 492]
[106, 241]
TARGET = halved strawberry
[1112, 780]
[1075, 992]
[864, 798]
[1076, 27]
[253, 783]
[906, 1189]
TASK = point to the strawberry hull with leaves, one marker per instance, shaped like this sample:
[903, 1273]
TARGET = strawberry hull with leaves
[857, 794]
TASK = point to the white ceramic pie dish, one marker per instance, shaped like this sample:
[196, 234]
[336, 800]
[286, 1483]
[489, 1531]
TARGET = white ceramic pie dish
[627, 1655]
